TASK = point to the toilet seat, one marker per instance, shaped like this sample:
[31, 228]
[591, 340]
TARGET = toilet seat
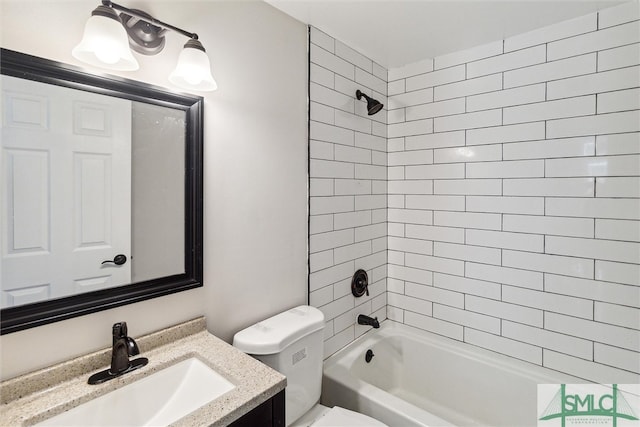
[340, 417]
[321, 416]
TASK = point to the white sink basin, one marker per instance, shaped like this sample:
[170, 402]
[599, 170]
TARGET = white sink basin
[157, 400]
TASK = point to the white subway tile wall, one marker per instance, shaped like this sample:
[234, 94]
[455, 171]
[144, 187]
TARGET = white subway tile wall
[514, 195]
[496, 198]
[348, 185]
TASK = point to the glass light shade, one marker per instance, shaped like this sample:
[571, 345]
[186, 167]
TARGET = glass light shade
[193, 71]
[105, 44]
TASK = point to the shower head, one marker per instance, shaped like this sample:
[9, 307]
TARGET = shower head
[373, 106]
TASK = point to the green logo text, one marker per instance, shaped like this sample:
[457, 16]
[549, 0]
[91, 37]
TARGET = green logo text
[612, 405]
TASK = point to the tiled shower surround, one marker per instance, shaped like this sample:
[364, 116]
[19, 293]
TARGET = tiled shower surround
[513, 198]
[348, 187]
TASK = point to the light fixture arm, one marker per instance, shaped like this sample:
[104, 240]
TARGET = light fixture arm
[109, 37]
[150, 19]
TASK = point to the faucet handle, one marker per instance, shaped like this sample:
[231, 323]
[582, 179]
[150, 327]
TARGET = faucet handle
[132, 347]
[119, 330]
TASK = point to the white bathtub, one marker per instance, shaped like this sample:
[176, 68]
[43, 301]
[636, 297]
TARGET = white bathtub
[421, 379]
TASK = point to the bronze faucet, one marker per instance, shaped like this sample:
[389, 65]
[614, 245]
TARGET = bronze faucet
[123, 347]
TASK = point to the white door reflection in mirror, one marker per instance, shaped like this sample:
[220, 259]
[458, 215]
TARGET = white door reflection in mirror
[65, 194]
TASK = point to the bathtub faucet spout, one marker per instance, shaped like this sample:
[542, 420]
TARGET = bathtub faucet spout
[369, 321]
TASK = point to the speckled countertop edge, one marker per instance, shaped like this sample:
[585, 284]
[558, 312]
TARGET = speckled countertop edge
[36, 396]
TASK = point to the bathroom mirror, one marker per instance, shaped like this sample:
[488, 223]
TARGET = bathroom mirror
[101, 191]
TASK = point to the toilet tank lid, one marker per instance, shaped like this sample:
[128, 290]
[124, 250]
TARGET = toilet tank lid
[276, 333]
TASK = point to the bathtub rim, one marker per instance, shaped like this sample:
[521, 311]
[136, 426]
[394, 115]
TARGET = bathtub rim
[351, 351]
[384, 405]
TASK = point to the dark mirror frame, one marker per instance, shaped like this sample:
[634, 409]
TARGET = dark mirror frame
[29, 67]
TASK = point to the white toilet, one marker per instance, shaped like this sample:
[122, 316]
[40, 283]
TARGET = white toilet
[292, 344]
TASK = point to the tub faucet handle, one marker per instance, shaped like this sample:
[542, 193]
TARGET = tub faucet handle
[360, 283]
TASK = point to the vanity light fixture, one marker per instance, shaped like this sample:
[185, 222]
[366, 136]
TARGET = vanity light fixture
[108, 39]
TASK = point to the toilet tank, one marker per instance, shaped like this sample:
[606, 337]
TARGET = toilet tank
[291, 343]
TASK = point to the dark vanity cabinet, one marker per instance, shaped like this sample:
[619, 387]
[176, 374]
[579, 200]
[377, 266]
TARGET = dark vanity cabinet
[269, 414]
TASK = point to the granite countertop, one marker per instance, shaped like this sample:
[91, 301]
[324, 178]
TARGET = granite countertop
[34, 397]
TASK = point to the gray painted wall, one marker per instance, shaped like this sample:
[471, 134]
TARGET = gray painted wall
[255, 225]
